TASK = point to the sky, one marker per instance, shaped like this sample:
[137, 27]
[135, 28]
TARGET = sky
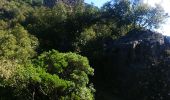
[165, 29]
[98, 3]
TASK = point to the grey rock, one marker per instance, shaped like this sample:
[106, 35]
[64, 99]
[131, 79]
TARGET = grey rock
[141, 65]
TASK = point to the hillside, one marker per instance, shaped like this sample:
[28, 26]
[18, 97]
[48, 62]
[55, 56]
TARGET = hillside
[71, 50]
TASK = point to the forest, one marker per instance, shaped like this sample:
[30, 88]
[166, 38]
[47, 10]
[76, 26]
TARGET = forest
[64, 50]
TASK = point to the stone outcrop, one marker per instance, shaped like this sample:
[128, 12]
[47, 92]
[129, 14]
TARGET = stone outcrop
[140, 67]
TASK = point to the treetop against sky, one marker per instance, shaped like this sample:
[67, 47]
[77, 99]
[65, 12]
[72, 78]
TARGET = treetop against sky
[165, 29]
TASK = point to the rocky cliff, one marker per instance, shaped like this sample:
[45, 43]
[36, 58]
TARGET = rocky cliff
[140, 66]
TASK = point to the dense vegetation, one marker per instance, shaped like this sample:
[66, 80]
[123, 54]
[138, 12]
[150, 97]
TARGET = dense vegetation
[33, 33]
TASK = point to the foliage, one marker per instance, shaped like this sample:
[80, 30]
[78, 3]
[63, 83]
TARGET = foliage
[17, 44]
[52, 76]
[127, 15]
[29, 28]
[14, 12]
[61, 26]
[69, 67]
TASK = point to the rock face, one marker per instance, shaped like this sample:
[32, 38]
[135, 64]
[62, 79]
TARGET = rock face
[140, 67]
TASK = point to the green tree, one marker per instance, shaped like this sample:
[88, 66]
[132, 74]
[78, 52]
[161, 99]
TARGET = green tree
[61, 26]
[53, 76]
[148, 17]
[17, 44]
[127, 15]
[14, 12]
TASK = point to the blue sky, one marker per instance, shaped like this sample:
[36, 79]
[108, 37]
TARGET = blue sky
[98, 3]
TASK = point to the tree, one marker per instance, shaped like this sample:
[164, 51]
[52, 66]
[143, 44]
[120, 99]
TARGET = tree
[17, 44]
[127, 15]
[53, 76]
[148, 17]
[52, 3]
[14, 12]
[61, 26]
[69, 67]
